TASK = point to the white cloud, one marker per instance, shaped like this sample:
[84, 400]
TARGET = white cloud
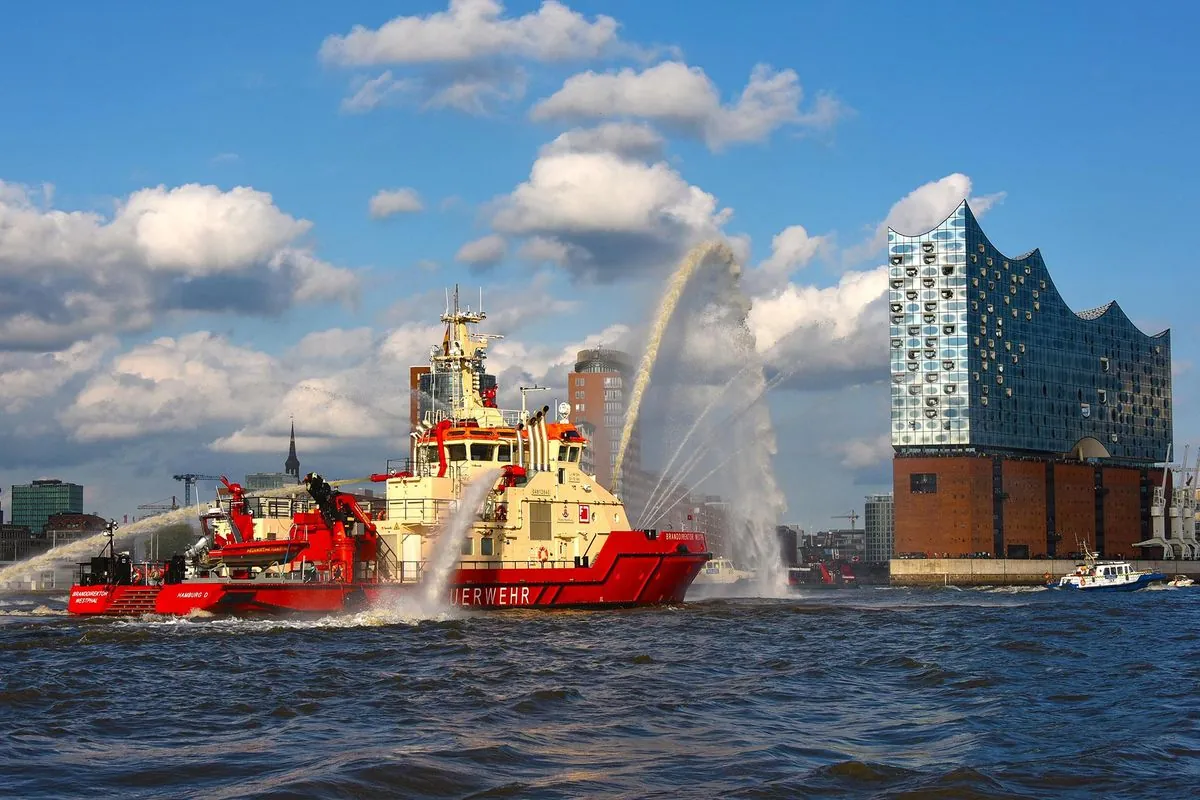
[684, 98]
[68, 275]
[825, 336]
[340, 344]
[610, 214]
[484, 252]
[628, 139]
[791, 249]
[173, 385]
[25, 377]
[921, 209]
[387, 202]
[371, 93]
[476, 92]
[471, 30]
[866, 452]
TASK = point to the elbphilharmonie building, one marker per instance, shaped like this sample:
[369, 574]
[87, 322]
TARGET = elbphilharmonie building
[1020, 427]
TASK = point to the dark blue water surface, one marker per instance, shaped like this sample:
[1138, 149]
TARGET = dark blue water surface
[854, 693]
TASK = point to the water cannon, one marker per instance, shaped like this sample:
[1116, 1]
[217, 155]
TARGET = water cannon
[198, 549]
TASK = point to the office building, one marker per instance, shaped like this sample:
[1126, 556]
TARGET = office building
[1020, 427]
[880, 519]
[33, 504]
[597, 391]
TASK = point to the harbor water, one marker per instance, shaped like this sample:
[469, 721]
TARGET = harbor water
[875, 692]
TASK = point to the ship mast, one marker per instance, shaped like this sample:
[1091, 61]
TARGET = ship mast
[462, 358]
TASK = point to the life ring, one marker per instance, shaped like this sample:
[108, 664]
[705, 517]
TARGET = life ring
[543, 554]
[138, 577]
[1083, 581]
[155, 574]
[1046, 577]
[339, 572]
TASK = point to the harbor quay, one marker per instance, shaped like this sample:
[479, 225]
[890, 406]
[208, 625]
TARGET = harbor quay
[1009, 571]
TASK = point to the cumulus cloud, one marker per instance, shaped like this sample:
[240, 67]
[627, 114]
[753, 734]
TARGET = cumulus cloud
[173, 384]
[685, 99]
[387, 202]
[627, 139]
[482, 253]
[921, 209]
[66, 276]
[474, 29]
[606, 214]
[825, 336]
[26, 377]
[371, 93]
[334, 344]
[866, 452]
[791, 249]
[468, 56]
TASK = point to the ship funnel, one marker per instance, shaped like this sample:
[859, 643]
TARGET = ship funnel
[535, 444]
[520, 446]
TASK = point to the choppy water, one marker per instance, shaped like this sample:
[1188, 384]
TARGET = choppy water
[867, 693]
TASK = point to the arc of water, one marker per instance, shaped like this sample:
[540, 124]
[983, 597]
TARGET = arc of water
[724, 462]
[690, 463]
[695, 257]
[445, 553]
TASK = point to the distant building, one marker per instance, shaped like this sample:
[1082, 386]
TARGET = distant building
[70, 527]
[292, 465]
[262, 481]
[597, 391]
[880, 519]
[846, 544]
[1019, 426]
[34, 503]
[17, 543]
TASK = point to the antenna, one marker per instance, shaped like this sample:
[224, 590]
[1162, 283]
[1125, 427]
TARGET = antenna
[524, 389]
[481, 299]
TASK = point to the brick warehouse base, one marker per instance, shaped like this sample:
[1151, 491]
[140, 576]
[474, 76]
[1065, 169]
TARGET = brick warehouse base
[1007, 571]
[1019, 507]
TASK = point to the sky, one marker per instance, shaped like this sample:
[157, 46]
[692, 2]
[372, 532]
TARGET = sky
[215, 217]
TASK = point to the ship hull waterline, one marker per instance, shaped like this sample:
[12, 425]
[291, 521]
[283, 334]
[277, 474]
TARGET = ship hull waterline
[626, 580]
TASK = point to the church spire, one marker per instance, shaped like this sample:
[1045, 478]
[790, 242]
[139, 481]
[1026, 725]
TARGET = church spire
[292, 465]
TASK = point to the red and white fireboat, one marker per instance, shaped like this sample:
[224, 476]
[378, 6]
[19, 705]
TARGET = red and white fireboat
[546, 533]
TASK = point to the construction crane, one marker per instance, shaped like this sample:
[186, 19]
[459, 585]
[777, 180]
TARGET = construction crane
[161, 507]
[189, 480]
[852, 516]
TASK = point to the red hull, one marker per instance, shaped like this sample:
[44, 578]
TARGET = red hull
[631, 570]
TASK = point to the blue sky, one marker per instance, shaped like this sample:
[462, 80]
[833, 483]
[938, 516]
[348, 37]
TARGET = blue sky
[1071, 122]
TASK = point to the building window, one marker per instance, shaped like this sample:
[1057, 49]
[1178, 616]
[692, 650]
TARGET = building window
[923, 483]
[579, 381]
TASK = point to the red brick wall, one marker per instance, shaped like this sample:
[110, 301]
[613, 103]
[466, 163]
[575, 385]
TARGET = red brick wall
[956, 519]
[1122, 511]
[1025, 508]
[1075, 506]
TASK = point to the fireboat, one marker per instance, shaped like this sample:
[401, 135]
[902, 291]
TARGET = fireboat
[546, 534]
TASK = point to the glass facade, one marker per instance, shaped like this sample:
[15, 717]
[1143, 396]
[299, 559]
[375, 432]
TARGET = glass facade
[33, 504]
[880, 526]
[986, 354]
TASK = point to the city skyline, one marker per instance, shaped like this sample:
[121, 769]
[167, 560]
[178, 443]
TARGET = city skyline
[260, 220]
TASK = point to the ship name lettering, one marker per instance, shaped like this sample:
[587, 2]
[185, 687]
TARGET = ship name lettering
[691, 537]
[80, 594]
[200, 595]
[540, 492]
[490, 596]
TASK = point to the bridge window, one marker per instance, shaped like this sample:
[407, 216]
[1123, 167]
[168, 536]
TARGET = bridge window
[504, 453]
[456, 452]
[482, 452]
[923, 483]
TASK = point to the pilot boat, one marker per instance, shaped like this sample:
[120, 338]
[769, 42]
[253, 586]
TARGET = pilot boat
[544, 534]
[1095, 575]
